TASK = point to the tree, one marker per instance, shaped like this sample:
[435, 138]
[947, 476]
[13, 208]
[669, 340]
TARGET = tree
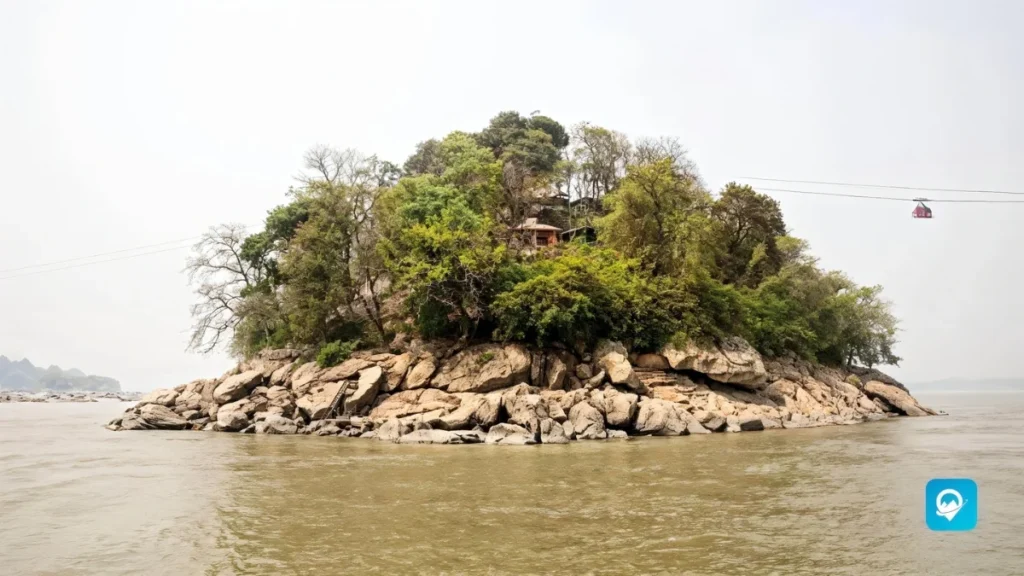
[534, 143]
[425, 160]
[224, 276]
[599, 158]
[448, 265]
[655, 216]
[750, 225]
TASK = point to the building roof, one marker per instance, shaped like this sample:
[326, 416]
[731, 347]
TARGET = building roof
[531, 224]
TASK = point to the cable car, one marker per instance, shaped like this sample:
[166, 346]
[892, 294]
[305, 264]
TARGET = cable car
[921, 211]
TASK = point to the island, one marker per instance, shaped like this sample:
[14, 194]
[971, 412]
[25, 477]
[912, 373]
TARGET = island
[526, 284]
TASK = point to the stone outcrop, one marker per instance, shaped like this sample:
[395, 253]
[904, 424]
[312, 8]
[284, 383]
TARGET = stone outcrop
[732, 362]
[507, 394]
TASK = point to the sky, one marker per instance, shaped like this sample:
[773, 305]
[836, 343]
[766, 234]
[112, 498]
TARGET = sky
[127, 124]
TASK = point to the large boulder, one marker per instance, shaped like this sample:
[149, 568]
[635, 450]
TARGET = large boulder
[160, 396]
[190, 400]
[303, 377]
[419, 376]
[733, 362]
[484, 368]
[526, 410]
[274, 424]
[366, 390]
[556, 374]
[509, 434]
[620, 408]
[231, 420]
[237, 386]
[663, 418]
[345, 370]
[397, 368]
[587, 422]
[652, 362]
[392, 430]
[898, 398]
[409, 402]
[280, 400]
[552, 432]
[161, 417]
[427, 436]
[611, 357]
[317, 403]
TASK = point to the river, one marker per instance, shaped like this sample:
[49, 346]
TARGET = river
[77, 499]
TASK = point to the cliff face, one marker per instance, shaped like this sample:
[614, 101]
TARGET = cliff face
[509, 394]
[23, 375]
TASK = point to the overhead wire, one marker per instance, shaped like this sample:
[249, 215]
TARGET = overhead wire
[31, 270]
[891, 198]
[884, 186]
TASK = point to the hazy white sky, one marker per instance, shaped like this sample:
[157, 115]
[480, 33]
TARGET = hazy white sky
[128, 123]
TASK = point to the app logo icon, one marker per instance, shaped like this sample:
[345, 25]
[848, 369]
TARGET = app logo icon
[951, 504]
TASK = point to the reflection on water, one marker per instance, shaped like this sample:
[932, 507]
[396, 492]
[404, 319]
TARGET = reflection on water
[78, 499]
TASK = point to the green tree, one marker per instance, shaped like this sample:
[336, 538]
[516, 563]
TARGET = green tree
[750, 224]
[425, 160]
[655, 216]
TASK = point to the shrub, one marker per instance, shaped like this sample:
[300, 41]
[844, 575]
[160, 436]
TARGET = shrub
[334, 353]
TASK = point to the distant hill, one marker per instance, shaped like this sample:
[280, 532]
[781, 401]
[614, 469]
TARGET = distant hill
[970, 385]
[23, 375]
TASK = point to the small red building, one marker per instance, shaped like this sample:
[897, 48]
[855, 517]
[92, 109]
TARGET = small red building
[538, 235]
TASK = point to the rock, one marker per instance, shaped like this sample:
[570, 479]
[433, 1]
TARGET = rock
[596, 380]
[552, 432]
[345, 370]
[617, 366]
[250, 429]
[556, 373]
[368, 434]
[430, 437]
[274, 424]
[484, 368]
[618, 435]
[584, 371]
[509, 434]
[715, 424]
[489, 411]
[526, 410]
[587, 422]
[231, 420]
[280, 399]
[327, 430]
[538, 367]
[236, 387]
[280, 376]
[392, 430]
[317, 403]
[190, 400]
[470, 436]
[191, 415]
[652, 362]
[734, 362]
[370, 380]
[663, 418]
[160, 417]
[160, 396]
[896, 397]
[620, 409]
[732, 424]
[397, 369]
[280, 354]
[419, 376]
[462, 417]
[408, 402]
[749, 422]
[303, 377]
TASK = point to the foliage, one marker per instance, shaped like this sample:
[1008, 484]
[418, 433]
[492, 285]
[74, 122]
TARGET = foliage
[334, 353]
[363, 248]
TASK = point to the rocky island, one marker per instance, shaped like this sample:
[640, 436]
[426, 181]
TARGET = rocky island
[509, 394]
[526, 283]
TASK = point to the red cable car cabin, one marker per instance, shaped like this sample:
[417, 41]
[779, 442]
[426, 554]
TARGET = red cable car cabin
[922, 211]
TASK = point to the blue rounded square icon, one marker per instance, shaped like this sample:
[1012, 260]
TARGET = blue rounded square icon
[951, 504]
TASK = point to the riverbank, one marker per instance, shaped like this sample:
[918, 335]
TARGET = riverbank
[441, 393]
[76, 396]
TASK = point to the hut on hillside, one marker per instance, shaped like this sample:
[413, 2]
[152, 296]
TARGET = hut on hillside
[538, 235]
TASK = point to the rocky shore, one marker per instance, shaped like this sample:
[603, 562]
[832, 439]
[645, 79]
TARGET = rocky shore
[438, 393]
[78, 396]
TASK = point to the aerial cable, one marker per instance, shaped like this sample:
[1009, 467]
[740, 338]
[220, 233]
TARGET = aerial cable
[884, 186]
